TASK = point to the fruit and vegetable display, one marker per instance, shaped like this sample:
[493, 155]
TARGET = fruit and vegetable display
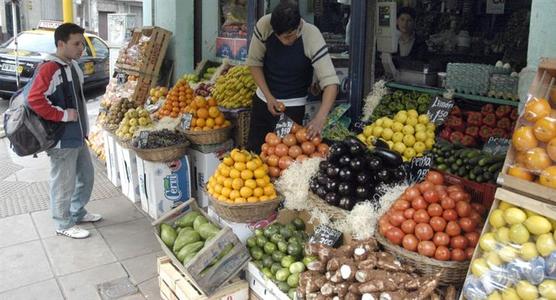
[434, 220]
[474, 128]
[134, 119]
[408, 133]
[279, 153]
[178, 98]
[159, 139]
[188, 235]
[241, 177]
[277, 251]
[204, 89]
[190, 78]
[351, 173]
[116, 113]
[158, 93]
[359, 270]
[206, 115]
[399, 100]
[469, 163]
[516, 257]
[235, 89]
[534, 144]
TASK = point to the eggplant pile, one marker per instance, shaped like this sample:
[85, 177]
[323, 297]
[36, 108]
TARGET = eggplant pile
[352, 172]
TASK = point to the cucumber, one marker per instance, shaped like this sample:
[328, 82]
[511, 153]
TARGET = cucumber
[439, 160]
[477, 171]
[465, 152]
[459, 162]
[496, 167]
[487, 175]
[492, 159]
[475, 160]
[473, 153]
[480, 178]
[442, 167]
[483, 162]
[461, 171]
[472, 176]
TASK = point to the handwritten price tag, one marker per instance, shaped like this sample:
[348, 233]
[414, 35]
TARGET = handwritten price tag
[418, 168]
[439, 110]
[186, 121]
[496, 145]
[283, 126]
[326, 236]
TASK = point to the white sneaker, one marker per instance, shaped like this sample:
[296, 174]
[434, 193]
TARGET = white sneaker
[91, 218]
[74, 232]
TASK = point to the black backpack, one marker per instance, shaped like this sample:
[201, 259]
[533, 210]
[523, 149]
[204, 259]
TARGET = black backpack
[28, 133]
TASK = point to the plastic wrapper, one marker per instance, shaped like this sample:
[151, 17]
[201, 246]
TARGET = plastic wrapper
[516, 256]
[133, 54]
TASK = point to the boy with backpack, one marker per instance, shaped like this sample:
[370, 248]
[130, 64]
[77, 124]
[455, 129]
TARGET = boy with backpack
[56, 94]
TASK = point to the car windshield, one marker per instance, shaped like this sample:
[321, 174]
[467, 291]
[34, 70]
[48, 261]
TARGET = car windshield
[34, 42]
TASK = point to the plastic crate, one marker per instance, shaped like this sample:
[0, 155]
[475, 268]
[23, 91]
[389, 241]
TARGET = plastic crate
[480, 192]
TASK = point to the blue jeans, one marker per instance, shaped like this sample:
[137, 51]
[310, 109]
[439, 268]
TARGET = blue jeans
[71, 183]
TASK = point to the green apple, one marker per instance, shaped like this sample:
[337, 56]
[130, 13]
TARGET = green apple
[488, 242]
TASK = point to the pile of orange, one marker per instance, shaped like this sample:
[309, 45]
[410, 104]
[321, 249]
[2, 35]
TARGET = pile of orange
[206, 115]
[534, 142]
[177, 100]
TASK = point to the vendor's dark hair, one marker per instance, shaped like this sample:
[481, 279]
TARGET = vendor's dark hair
[407, 10]
[285, 17]
[64, 31]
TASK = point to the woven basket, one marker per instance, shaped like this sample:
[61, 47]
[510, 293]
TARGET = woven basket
[215, 136]
[451, 272]
[162, 154]
[333, 212]
[245, 212]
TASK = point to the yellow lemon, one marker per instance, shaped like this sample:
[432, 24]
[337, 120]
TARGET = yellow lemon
[240, 166]
[234, 194]
[252, 199]
[220, 179]
[269, 190]
[237, 184]
[235, 173]
[218, 189]
[258, 191]
[251, 165]
[228, 182]
[259, 173]
[246, 174]
[226, 192]
[246, 192]
[224, 170]
[240, 200]
[228, 161]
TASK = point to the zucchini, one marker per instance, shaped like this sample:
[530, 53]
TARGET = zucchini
[496, 167]
[492, 159]
[473, 153]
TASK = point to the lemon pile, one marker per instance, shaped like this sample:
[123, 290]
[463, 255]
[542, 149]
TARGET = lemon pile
[241, 177]
[409, 133]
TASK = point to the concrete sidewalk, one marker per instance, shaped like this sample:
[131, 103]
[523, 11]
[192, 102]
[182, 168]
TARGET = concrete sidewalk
[35, 263]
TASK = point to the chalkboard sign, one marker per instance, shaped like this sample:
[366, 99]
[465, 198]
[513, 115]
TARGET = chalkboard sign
[325, 235]
[440, 109]
[143, 139]
[283, 126]
[496, 145]
[186, 121]
[418, 168]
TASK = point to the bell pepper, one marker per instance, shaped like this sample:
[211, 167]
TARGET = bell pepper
[455, 123]
[472, 131]
[445, 133]
[503, 111]
[456, 137]
[513, 114]
[488, 108]
[474, 118]
[468, 141]
[504, 123]
[499, 132]
[489, 120]
[485, 133]
[456, 111]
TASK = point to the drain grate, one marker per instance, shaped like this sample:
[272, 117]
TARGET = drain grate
[116, 289]
[8, 168]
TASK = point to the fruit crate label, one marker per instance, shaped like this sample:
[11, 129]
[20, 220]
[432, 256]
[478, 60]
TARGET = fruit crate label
[439, 110]
[326, 236]
[143, 139]
[418, 168]
[283, 126]
[496, 145]
[186, 121]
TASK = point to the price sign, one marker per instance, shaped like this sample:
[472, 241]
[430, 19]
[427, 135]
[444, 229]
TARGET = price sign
[186, 121]
[496, 145]
[121, 78]
[283, 126]
[440, 109]
[418, 168]
[326, 236]
[143, 139]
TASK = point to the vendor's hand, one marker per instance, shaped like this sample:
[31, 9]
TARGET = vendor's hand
[274, 107]
[314, 128]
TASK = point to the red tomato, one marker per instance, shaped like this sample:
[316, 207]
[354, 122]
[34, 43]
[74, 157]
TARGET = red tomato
[457, 196]
[423, 232]
[426, 248]
[473, 238]
[459, 242]
[431, 196]
[411, 193]
[463, 208]
[453, 229]
[396, 218]
[441, 239]
[410, 242]
[294, 151]
[285, 162]
[447, 203]
[401, 205]
[479, 208]
[442, 253]
[467, 224]
[435, 177]
[438, 224]
[458, 255]
[450, 215]
[408, 226]
[408, 213]
[308, 148]
[418, 203]
[435, 210]
[469, 252]
[289, 140]
[395, 235]
[455, 188]
[425, 186]
[421, 216]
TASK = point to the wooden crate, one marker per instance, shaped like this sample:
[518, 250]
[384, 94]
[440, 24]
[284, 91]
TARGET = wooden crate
[155, 50]
[175, 286]
[545, 78]
[240, 119]
[207, 282]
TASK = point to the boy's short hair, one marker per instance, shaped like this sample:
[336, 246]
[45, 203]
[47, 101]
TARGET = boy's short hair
[64, 31]
[407, 10]
[285, 17]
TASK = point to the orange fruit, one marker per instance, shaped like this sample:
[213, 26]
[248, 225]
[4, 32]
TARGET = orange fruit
[551, 149]
[257, 192]
[246, 192]
[227, 123]
[206, 128]
[174, 114]
[200, 123]
[202, 113]
[537, 159]
[211, 101]
[260, 182]
[548, 177]
[545, 129]
[219, 120]
[210, 122]
[234, 194]
[251, 183]
[226, 192]
[235, 173]
[213, 112]
[524, 139]
[201, 101]
[246, 174]
[218, 188]
[228, 161]
[536, 109]
[240, 166]
[520, 157]
[193, 106]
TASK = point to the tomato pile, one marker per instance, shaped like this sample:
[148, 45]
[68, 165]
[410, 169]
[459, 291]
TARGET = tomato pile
[279, 153]
[434, 220]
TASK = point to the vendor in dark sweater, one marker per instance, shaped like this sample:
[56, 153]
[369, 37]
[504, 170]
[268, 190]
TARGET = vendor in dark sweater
[285, 54]
[410, 46]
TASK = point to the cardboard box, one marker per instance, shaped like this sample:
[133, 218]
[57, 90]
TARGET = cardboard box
[242, 230]
[163, 186]
[127, 166]
[240, 49]
[112, 170]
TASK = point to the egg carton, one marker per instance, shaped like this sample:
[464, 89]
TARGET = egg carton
[468, 78]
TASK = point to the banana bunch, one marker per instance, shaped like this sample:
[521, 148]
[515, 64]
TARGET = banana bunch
[235, 89]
